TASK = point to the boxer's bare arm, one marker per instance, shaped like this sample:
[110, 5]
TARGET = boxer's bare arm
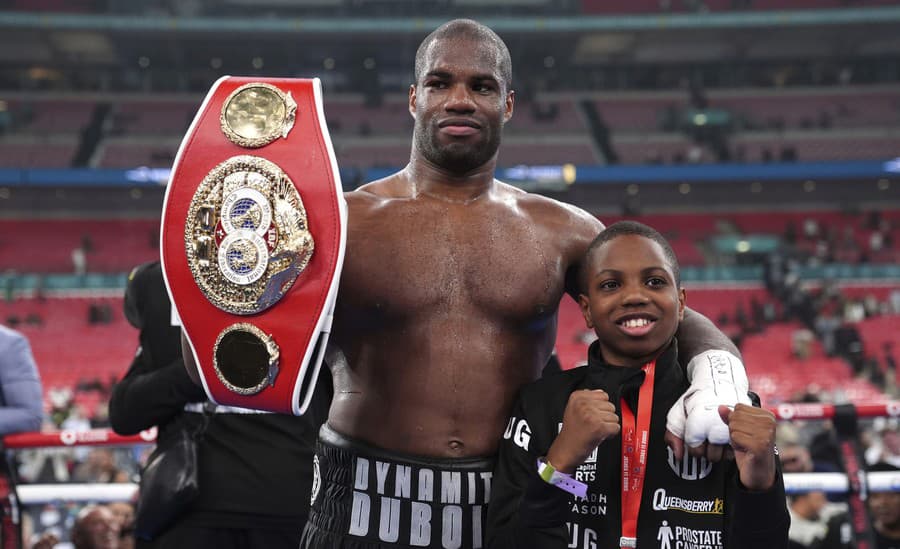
[697, 334]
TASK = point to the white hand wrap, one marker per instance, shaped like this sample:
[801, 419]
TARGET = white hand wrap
[717, 377]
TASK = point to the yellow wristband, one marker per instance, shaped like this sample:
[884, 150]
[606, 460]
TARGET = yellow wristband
[546, 470]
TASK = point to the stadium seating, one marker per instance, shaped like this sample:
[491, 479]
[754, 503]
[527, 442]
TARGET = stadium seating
[37, 153]
[778, 376]
[878, 331]
[655, 6]
[67, 347]
[41, 116]
[45, 246]
[826, 123]
[161, 117]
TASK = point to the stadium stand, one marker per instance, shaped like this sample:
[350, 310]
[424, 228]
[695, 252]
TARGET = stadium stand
[46, 245]
[74, 340]
[807, 124]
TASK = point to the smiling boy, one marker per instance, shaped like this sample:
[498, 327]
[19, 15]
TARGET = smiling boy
[583, 463]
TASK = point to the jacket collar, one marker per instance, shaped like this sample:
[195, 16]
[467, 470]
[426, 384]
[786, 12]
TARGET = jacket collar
[620, 381]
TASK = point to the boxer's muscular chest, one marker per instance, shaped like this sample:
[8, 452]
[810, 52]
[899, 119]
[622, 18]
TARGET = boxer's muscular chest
[409, 258]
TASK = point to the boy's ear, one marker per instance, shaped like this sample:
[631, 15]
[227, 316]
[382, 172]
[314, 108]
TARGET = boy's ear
[585, 303]
[681, 301]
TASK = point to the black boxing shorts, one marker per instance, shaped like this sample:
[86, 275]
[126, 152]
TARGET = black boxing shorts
[368, 498]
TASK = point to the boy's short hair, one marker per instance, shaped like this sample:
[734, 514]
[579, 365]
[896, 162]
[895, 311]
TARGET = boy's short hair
[624, 228]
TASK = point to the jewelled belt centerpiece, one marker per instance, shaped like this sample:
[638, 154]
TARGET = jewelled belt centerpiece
[246, 235]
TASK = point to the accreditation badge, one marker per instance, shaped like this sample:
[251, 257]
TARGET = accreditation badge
[253, 235]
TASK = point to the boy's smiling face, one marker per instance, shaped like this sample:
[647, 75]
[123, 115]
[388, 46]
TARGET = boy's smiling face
[633, 302]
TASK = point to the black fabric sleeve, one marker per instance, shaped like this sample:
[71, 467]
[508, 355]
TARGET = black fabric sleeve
[759, 519]
[148, 396]
[525, 512]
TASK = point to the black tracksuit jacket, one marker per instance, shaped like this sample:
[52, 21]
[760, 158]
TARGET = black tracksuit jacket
[692, 504]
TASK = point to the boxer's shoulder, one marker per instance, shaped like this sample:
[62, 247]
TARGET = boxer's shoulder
[375, 195]
[564, 220]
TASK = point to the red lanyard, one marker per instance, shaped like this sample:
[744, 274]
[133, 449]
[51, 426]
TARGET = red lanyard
[635, 439]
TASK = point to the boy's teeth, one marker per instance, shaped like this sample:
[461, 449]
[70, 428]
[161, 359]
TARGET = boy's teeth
[636, 322]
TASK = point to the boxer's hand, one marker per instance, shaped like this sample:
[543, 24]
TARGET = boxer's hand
[589, 419]
[753, 441]
[717, 377]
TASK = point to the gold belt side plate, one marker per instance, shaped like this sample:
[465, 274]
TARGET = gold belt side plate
[246, 359]
[246, 235]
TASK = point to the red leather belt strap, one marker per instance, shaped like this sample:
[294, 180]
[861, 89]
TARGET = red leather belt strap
[218, 252]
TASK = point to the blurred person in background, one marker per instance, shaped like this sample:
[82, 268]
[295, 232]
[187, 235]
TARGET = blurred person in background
[124, 513]
[255, 468]
[96, 528]
[818, 524]
[100, 466]
[884, 508]
[795, 449]
[885, 446]
[21, 395]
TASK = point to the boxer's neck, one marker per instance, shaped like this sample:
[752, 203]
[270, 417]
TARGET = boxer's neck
[454, 189]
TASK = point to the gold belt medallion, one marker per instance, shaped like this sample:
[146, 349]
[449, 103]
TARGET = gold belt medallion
[256, 114]
[246, 236]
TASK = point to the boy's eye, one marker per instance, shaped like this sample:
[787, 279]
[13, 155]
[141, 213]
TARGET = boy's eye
[609, 285]
[656, 281]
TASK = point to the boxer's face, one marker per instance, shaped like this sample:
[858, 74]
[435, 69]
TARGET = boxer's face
[633, 302]
[460, 104]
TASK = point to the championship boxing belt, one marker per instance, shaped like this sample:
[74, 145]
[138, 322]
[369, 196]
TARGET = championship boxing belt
[253, 235]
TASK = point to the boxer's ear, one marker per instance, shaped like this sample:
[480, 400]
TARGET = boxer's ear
[412, 100]
[510, 104]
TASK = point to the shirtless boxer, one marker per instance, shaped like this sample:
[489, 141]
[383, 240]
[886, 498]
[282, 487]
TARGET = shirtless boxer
[439, 320]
